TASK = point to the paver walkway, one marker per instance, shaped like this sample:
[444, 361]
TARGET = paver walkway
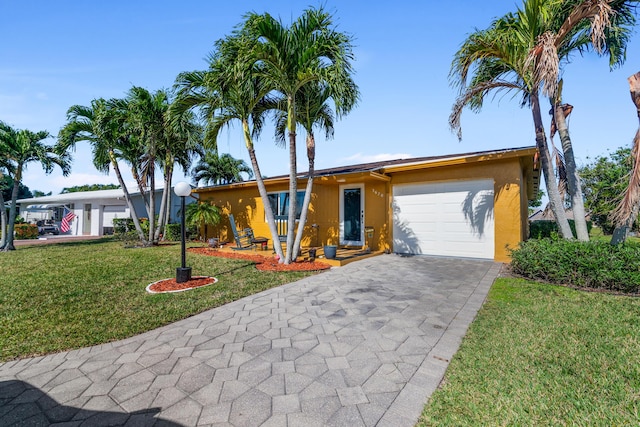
[361, 345]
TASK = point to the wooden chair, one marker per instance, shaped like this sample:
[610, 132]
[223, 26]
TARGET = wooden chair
[282, 222]
[244, 239]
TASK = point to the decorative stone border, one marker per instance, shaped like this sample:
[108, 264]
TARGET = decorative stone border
[148, 288]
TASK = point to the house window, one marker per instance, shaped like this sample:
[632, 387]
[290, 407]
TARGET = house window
[280, 203]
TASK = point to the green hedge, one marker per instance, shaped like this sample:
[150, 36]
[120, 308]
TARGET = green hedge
[26, 231]
[594, 264]
[124, 229]
[543, 229]
[172, 232]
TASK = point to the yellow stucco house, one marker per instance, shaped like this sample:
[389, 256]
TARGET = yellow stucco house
[464, 205]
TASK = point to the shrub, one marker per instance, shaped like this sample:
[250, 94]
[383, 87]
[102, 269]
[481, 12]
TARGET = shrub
[26, 231]
[594, 264]
[173, 232]
[123, 227]
[544, 228]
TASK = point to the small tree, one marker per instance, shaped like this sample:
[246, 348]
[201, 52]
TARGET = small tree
[604, 180]
[201, 214]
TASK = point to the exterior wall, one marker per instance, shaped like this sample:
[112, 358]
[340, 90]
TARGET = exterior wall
[507, 176]
[323, 222]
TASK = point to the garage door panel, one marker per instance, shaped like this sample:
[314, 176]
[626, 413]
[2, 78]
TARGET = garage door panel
[447, 218]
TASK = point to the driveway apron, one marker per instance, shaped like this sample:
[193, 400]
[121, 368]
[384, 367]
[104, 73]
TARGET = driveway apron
[361, 345]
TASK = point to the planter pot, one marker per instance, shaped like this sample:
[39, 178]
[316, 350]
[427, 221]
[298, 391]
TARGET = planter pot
[330, 251]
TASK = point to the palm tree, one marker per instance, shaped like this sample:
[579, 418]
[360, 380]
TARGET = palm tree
[100, 125]
[183, 141]
[147, 120]
[231, 91]
[22, 147]
[523, 52]
[202, 214]
[214, 169]
[288, 59]
[4, 167]
[496, 59]
[313, 111]
[604, 26]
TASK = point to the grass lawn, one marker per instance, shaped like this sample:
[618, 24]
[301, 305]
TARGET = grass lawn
[71, 295]
[544, 355]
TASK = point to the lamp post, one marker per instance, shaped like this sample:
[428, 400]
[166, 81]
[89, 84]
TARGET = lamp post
[183, 274]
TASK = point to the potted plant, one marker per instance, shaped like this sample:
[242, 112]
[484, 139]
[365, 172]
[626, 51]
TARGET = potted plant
[330, 250]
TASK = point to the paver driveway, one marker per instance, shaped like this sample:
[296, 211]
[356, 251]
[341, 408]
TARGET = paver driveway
[361, 345]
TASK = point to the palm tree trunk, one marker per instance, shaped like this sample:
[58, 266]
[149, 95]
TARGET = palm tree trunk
[152, 202]
[127, 196]
[262, 190]
[293, 183]
[167, 217]
[3, 222]
[141, 185]
[311, 154]
[168, 170]
[573, 179]
[8, 244]
[557, 206]
[621, 231]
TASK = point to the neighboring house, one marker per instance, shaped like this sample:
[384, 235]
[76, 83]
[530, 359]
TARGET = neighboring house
[547, 215]
[465, 205]
[94, 210]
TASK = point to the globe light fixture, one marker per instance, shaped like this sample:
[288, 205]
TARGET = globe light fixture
[183, 273]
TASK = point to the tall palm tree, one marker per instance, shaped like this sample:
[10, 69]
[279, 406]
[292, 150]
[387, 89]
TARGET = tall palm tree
[314, 111]
[147, 120]
[523, 52]
[182, 142]
[100, 125]
[22, 147]
[288, 59]
[4, 168]
[232, 91]
[494, 60]
[214, 169]
[576, 26]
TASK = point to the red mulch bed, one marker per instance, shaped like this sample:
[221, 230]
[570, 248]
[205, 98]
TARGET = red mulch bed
[264, 263]
[170, 285]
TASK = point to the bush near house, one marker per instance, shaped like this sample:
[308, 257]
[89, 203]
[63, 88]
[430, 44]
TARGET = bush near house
[594, 264]
[172, 232]
[543, 228]
[26, 231]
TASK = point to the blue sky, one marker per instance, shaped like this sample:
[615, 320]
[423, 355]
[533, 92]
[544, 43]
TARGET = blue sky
[57, 54]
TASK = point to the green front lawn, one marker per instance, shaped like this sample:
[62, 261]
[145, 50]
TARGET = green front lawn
[70, 295]
[544, 355]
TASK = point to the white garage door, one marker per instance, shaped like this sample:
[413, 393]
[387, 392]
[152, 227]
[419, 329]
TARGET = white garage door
[444, 218]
